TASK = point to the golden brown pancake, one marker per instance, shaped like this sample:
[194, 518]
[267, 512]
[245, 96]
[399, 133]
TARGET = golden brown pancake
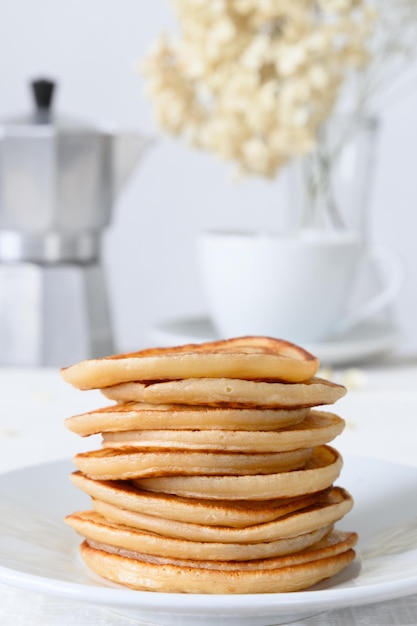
[144, 416]
[317, 429]
[328, 509]
[236, 513]
[319, 473]
[93, 526]
[241, 357]
[126, 463]
[233, 393]
[273, 575]
[332, 543]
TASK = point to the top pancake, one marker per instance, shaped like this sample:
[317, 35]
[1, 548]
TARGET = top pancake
[247, 358]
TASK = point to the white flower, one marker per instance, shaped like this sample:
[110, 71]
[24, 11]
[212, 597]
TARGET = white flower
[224, 30]
[258, 52]
[317, 76]
[256, 155]
[289, 59]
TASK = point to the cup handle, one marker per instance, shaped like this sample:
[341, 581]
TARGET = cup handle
[394, 276]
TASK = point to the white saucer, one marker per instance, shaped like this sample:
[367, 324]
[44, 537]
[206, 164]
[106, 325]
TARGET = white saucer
[365, 342]
[39, 552]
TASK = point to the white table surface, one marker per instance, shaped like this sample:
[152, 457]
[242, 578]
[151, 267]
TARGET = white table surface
[381, 415]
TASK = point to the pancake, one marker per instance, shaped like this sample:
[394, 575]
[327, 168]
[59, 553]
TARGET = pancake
[236, 514]
[332, 543]
[243, 357]
[316, 429]
[126, 463]
[273, 575]
[328, 509]
[93, 526]
[143, 416]
[233, 393]
[319, 473]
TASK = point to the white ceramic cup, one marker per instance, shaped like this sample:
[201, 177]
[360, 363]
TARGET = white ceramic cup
[295, 287]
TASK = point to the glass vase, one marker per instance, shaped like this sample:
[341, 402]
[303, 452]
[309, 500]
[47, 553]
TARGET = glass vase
[331, 187]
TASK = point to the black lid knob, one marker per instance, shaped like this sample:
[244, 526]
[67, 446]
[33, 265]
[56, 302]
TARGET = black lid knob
[43, 91]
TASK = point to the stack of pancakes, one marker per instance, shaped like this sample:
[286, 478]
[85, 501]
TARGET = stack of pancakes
[214, 474]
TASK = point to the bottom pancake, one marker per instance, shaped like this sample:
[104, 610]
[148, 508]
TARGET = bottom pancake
[273, 575]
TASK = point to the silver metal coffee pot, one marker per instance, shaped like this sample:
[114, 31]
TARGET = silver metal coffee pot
[59, 180]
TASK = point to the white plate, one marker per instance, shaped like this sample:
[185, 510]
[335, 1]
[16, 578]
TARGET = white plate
[39, 552]
[364, 342]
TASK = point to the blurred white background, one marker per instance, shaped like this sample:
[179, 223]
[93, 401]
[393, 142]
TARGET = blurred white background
[90, 49]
